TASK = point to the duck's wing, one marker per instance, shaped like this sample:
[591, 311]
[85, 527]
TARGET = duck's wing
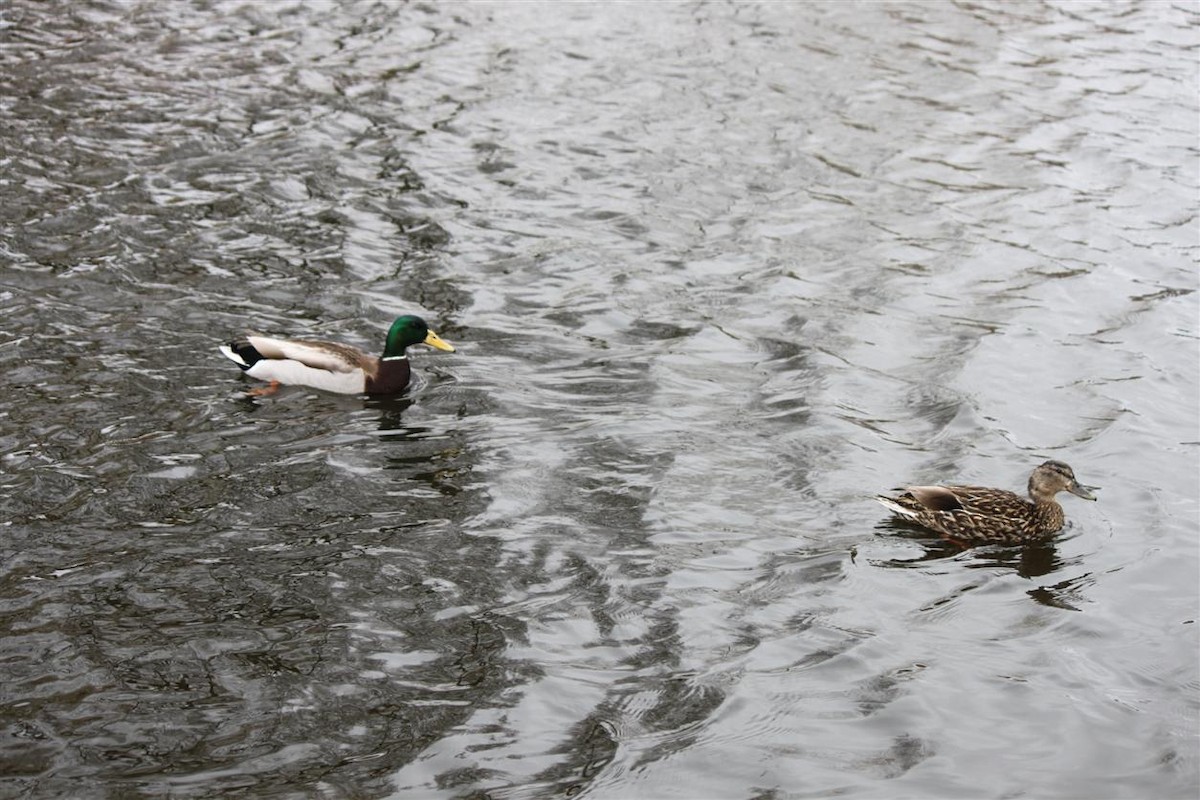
[933, 498]
[990, 502]
[330, 356]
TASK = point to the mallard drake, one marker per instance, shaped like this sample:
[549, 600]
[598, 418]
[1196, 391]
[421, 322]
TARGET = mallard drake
[979, 515]
[332, 366]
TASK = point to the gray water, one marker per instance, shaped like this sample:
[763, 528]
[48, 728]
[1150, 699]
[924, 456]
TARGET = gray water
[718, 273]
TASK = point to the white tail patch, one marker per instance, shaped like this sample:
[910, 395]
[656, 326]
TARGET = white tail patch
[227, 351]
[894, 507]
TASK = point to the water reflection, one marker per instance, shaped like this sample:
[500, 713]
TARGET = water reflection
[390, 422]
[718, 280]
[1066, 594]
[1028, 561]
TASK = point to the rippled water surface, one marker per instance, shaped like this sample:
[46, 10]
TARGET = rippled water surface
[718, 273]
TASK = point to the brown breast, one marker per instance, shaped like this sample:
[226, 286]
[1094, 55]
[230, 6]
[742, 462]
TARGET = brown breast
[390, 377]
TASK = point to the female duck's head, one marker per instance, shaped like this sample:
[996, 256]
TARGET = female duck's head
[1053, 477]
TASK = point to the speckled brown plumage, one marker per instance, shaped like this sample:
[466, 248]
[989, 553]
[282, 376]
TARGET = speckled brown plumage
[982, 515]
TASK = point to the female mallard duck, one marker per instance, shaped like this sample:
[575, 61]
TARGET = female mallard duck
[979, 515]
[332, 366]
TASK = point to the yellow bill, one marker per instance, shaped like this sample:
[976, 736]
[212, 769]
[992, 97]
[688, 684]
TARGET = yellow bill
[433, 340]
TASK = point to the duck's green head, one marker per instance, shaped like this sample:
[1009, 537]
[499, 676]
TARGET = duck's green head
[408, 330]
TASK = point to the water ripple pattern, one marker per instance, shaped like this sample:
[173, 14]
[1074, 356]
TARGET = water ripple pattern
[718, 273]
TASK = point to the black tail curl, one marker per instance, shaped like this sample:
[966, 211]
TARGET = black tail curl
[246, 352]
